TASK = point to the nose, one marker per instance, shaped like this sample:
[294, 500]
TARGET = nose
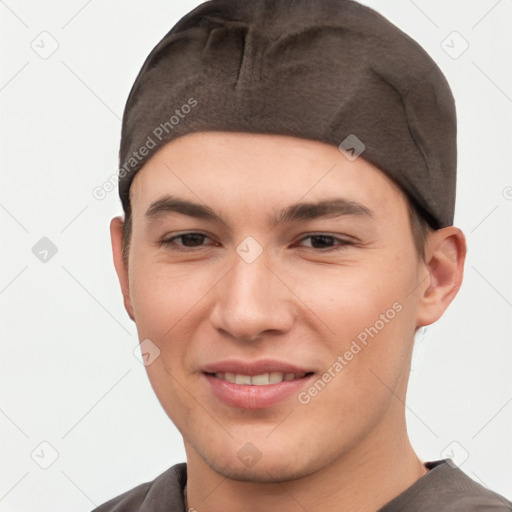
[253, 300]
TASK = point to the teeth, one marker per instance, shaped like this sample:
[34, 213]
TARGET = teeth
[259, 380]
[242, 379]
[275, 377]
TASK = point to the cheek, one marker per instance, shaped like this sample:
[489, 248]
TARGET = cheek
[163, 294]
[165, 299]
[169, 304]
[349, 298]
[366, 313]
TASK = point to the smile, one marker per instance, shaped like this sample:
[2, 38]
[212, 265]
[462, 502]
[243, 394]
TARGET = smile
[263, 379]
[255, 391]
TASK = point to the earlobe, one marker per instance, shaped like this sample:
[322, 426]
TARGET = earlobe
[445, 257]
[116, 236]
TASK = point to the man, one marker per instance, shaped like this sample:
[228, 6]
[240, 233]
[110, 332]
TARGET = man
[288, 175]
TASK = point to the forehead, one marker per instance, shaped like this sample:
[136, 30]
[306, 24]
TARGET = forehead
[255, 173]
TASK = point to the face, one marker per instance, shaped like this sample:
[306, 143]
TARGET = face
[326, 298]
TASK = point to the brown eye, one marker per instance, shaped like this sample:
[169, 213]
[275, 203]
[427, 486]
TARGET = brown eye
[326, 243]
[190, 241]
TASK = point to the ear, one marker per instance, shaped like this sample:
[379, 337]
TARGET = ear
[445, 254]
[116, 236]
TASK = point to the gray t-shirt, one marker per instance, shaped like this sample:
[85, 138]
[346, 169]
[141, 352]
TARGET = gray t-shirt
[445, 488]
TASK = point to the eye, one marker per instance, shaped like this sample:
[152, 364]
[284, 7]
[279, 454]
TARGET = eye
[194, 240]
[190, 241]
[327, 243]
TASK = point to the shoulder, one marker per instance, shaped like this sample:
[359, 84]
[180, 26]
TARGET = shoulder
[163, 493]
[447, 488]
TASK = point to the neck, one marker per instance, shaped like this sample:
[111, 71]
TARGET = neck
[381, 467]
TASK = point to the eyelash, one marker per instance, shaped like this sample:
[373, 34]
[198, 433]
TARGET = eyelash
[169, 243]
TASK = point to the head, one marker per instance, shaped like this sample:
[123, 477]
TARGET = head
[299, 301]
[295, 248]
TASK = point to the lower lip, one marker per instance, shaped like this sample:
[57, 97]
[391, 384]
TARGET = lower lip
[249, 396]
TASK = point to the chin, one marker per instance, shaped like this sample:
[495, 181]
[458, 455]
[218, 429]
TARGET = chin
[264, 468]
[261, 472]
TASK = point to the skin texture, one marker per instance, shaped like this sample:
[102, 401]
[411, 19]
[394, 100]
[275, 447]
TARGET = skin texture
[347, 449]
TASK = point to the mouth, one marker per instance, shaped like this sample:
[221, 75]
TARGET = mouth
[251, 387]
[263, 379]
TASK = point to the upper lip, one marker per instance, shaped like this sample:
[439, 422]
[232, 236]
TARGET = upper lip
[253, 367]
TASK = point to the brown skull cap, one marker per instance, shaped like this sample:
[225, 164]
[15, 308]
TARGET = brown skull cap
[334, 71]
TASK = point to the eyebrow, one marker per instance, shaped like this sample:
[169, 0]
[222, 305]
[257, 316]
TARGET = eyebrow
[329, 208]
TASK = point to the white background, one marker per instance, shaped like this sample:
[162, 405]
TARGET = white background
[68, 373]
